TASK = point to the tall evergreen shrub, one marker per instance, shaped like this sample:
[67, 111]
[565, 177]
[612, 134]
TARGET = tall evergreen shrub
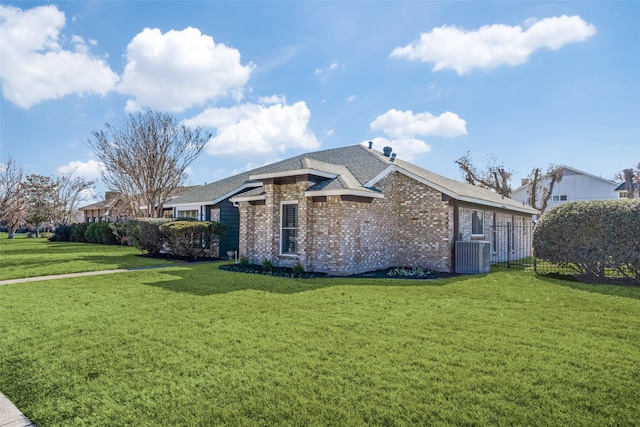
[593, 236]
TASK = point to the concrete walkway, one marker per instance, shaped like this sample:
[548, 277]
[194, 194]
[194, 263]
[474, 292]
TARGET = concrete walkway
[10, 416]
[86, 273]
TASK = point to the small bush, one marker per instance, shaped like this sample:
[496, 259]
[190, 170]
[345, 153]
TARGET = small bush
[91, 234]
[77, 231]
[191, 238]
[244, 261]
[267, 265]
[149, 237]
[297, 269]
[62, 234]
[592, 236]
[119, 230]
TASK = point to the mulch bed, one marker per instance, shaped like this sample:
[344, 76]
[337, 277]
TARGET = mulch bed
[389, 273]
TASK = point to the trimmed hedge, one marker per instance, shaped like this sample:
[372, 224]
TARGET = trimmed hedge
[594, 236]
[100, 232]
[77, 232]
[61, 234]
[191, 238]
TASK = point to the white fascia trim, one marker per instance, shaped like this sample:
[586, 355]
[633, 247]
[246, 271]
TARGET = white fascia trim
[452, 194]
[360, 193]
[237, 190]
[381, 175]
[433, 185]
[294, 172]
[247, 198]
[187, 206]
[523, 209]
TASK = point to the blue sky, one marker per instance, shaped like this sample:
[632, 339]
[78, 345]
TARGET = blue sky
[529, 83]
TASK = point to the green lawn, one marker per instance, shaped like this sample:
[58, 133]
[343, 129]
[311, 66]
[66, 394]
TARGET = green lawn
[193, 345]
[23, 257]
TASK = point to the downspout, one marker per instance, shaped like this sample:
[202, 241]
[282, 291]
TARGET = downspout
[456, 232]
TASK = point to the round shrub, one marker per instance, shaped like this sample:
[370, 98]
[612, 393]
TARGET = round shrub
[77, 231]
[61, 234]
[149, 237]
[191, 238]
[593, 236]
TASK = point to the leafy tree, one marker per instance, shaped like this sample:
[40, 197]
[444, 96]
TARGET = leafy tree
[494, 177]
[13, 197]
[41, 200]
[145, 157]
[541, 186]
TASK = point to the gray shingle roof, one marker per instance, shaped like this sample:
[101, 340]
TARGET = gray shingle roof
[356, 167]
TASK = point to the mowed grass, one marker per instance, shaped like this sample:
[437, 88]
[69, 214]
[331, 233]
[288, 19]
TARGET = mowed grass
[22, 257]
[193, 345]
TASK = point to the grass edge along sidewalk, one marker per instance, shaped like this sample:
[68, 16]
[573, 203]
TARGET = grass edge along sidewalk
[23, 257]
[10, 416]
[80, 274]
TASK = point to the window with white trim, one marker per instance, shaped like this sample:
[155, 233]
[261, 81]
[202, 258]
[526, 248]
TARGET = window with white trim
[193, 213]
[289, 228]
[477, 223]
[561, 198]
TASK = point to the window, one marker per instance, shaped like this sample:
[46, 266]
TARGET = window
[623, 194]
[188, 214]
[477, 223]
[561, 198]
[289, 228]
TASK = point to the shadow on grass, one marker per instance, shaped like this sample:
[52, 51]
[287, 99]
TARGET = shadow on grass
[613, 289]
[208, 279]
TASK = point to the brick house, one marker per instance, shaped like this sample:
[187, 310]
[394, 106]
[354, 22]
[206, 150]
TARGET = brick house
[353, 209]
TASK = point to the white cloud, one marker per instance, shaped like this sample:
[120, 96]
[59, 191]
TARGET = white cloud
[351, 98]
[329, 132]
[273, 99]
[89, 170]
[257, 129]
[180, 69]
[401, 124]
[403, 128]
[35, 67]
[491, 46]
[324, 72]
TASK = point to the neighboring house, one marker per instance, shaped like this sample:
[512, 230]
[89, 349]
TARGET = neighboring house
[102, 210]
[111, 208]
[623, 193]
[350, 210]
[575, 185]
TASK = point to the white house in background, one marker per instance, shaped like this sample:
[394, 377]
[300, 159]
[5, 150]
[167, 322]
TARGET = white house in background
[623, 193]
[575, 186]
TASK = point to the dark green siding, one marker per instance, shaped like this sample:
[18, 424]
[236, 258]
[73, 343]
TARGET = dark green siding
[229, 215]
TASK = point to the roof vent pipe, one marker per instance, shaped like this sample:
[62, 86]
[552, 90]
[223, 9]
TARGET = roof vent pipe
[370, 145]
[393, 157]
[387, 151]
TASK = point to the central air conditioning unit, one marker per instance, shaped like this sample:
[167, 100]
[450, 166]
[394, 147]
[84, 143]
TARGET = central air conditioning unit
[473, 257]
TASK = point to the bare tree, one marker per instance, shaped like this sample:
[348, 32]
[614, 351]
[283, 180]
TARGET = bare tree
[145, 157]
[13, 197]
[541, 186]
[41, 200]
[70, 192]
[495, 177]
